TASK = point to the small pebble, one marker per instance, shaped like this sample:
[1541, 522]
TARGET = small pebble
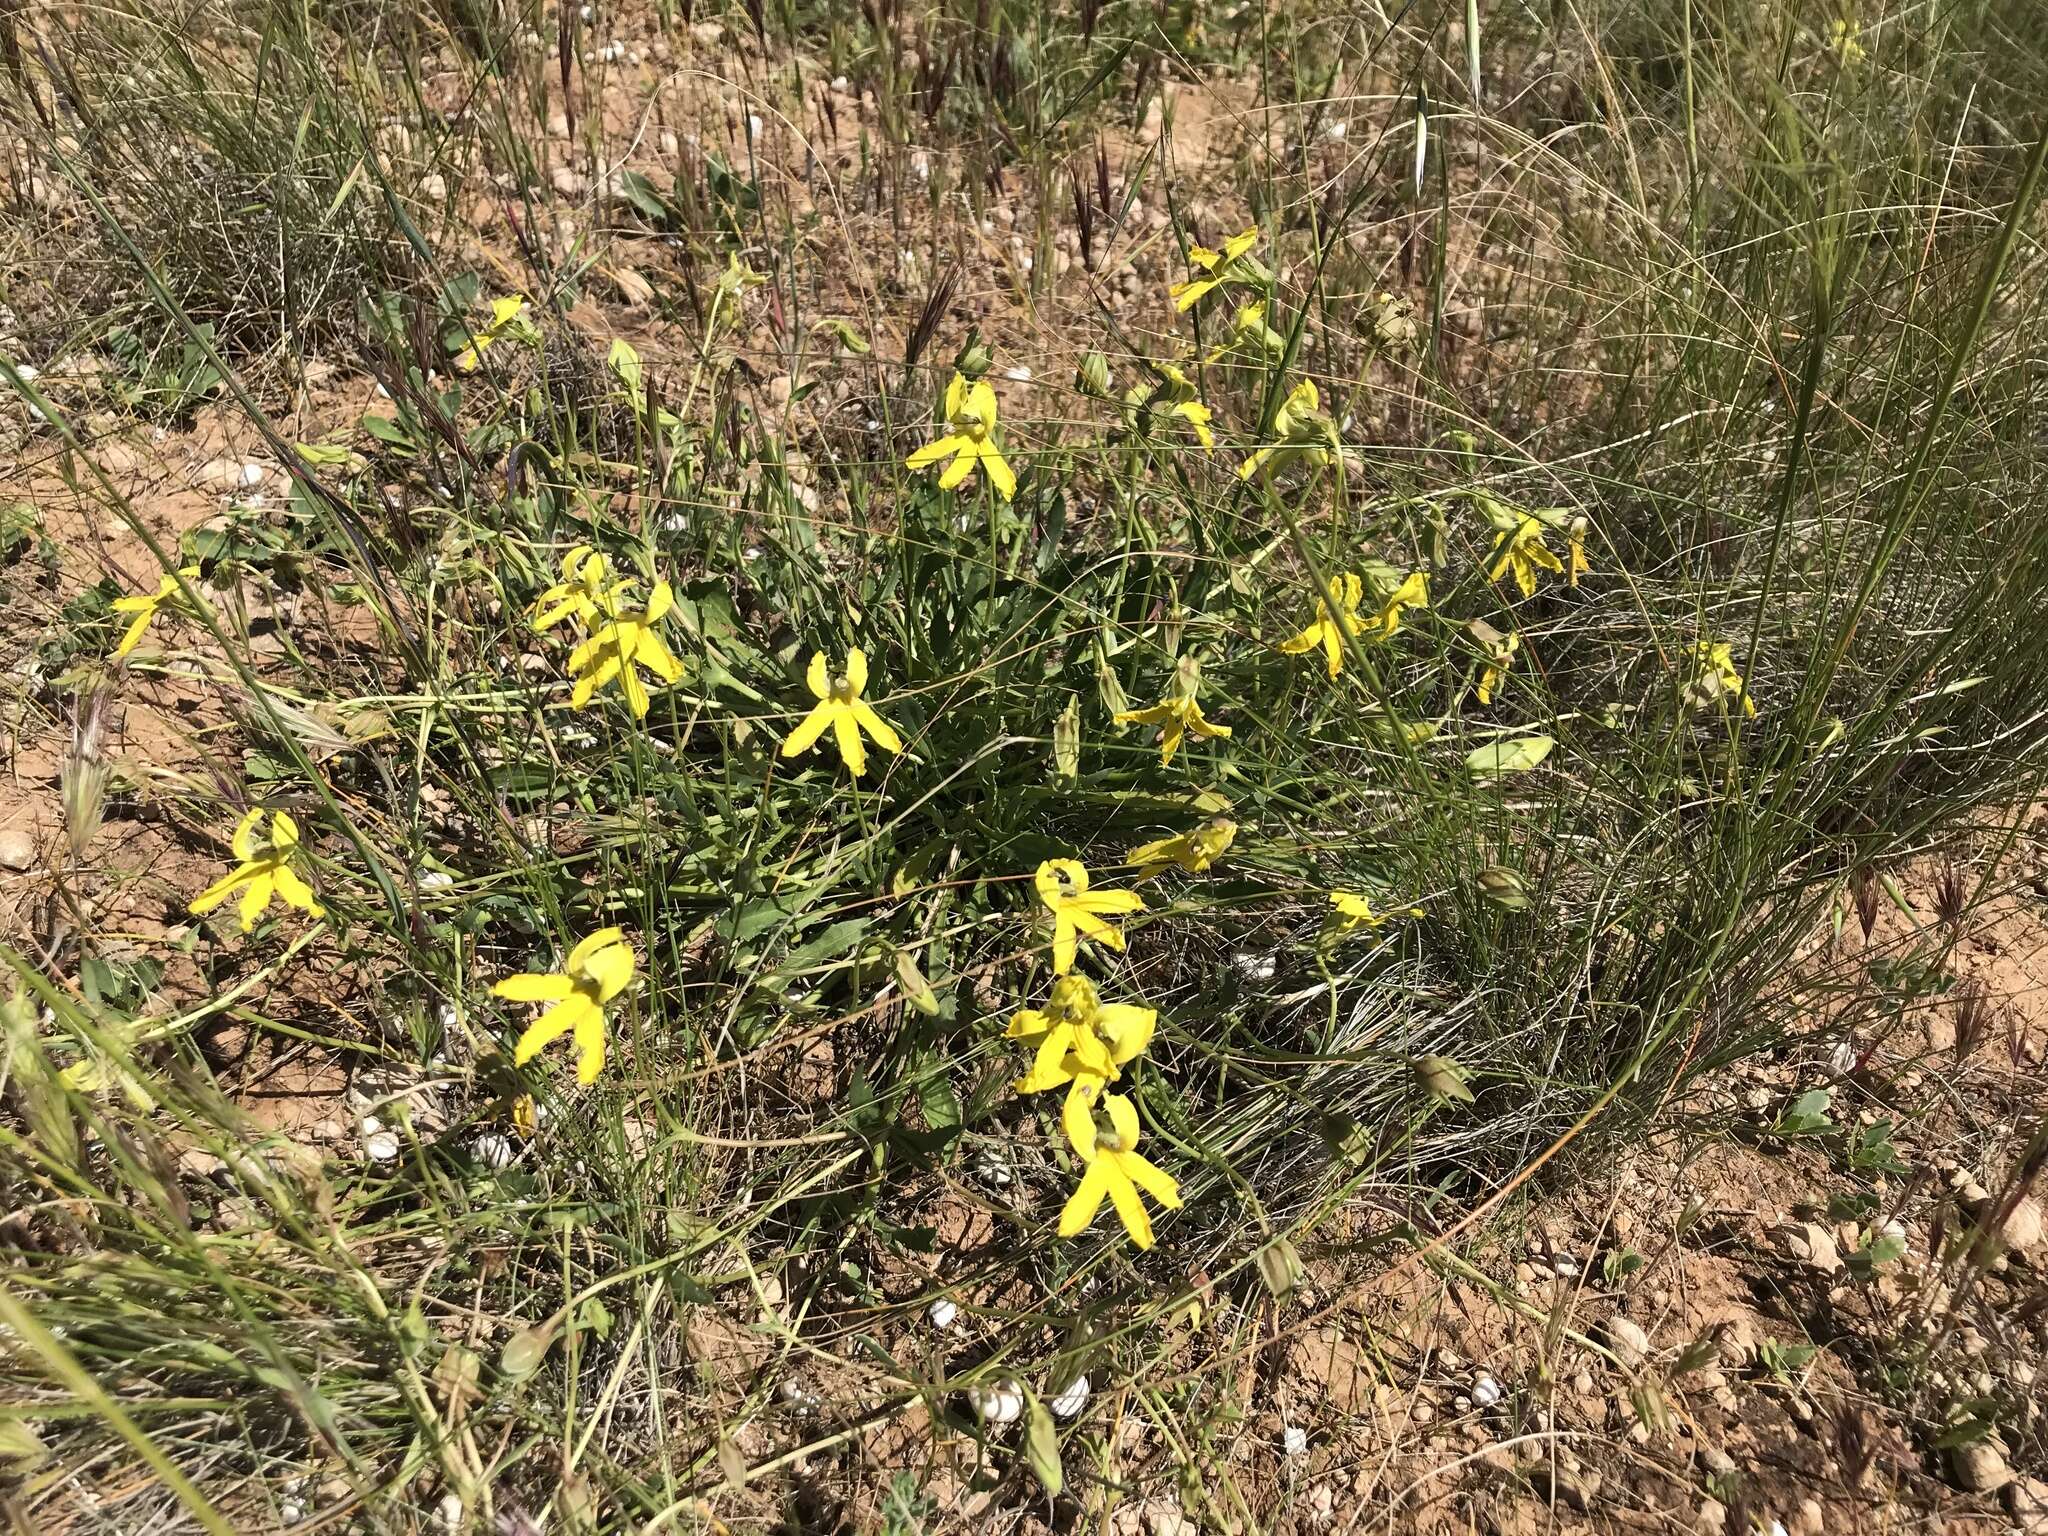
[944, 1312]
[382, 1147]
[1294, 1440]
[17, 851]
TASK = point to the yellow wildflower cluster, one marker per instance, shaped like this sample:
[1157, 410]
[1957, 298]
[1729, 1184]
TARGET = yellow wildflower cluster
[1083, 1044]
[621, 637]
[1078, 1043]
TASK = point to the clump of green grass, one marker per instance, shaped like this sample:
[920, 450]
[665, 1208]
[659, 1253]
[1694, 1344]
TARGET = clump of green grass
[1763, 366]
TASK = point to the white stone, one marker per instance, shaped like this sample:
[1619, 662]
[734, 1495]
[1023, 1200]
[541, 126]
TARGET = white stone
[944, 1312]
[382, 1147]
[1629, 1344]
[1294, 1440]
[17, 849]
[494, 1150]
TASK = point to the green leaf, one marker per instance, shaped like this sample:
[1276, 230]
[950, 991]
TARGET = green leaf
[1042, 1445]
[385, 430]
[413, 1333]
[1499, 757]
[941, 1105]
[830, 944]
[624, 362]
[639, 191]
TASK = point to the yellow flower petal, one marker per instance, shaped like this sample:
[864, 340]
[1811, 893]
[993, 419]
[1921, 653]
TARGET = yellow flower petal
[885, 737]
[534, 987]
[1086, 1200]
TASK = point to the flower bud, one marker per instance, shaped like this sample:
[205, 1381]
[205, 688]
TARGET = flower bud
[1066, 740]
[1503, 887]
[974, 360]
[1092, 378]
[1441, 1078]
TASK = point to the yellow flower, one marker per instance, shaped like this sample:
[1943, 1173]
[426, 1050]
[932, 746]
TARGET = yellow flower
[1232, 264]
[1300, 430]
[144, 606]
[262, 867]
[581, 593]
[1353, 912]
[1250, 332]
[971, 413]
[1115, 1166]
[1176, 395]
[841, 707]
[1179, 712]
[1413, 592]
[620, 648]
[508, 318]
[1193, 851]
[1063, 886]
[596, 971]
[1525, 553]
[1715, 677]
[1077, 1035]
[1328, 631]
[1843, 38]
[1500, 655]
[1575, 555]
